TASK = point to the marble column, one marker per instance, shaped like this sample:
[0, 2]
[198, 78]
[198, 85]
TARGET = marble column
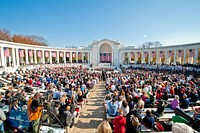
[17, 56]
[175, 57]
[143, 57]
[83, 57]
[13, 57]
[76, 57]
[184, 56]
[149, 57]
[196, 56]
[57, 57]
[43, 57]
[89, 57]
[35, 56]
[26, 54]
[2, 57]
[50, 57]
[157, 57]
[166, 57]
[70, 57]
[64, 56]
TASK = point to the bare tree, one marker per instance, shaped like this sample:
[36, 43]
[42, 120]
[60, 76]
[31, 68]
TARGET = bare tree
[5, 35]
[150, 44]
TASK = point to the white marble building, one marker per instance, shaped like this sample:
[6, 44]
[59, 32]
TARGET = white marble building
[100, 53]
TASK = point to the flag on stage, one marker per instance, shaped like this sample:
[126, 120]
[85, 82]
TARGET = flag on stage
[21, 53]
[73, 55]
[139, 54]
[30, 52]
[132, 55]
[53, 54]
[153, 54]
[39, 54]
[61, 54]
[145, 54]
[46, 54]
[161, 54]
[191, 52]
[105, 57]
[6, 52]
[180, 53]
[171, 53]
[67, 54]
[79, 56]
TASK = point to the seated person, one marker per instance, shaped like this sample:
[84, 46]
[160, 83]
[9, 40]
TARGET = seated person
[184, 103]
[133, 121]
[196, 112]
[67, 118]
[80, 97]
[140, 104]
[165, 96]
[175, 102]
[148, 120]
[158, 95]
[194, 96]
[160, 109]
[112, 108]
[125, 108]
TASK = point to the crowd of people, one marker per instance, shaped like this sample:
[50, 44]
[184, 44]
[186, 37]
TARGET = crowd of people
[54, 95]
[129, 92]
[49, 96]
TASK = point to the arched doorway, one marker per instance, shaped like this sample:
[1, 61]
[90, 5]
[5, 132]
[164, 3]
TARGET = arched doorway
[105, 53]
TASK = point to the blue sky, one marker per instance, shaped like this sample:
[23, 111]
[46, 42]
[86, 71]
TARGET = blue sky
[79, 22]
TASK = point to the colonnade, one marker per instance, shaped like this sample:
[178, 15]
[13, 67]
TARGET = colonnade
[173, 56]
[23, 56]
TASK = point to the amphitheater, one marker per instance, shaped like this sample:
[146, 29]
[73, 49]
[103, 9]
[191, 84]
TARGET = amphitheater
[105, 61]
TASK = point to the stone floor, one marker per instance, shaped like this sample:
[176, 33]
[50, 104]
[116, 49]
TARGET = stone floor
[92, 113]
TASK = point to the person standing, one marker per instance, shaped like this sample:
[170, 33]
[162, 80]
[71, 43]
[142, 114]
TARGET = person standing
[35, 112]
[2, 119]
[119, 123]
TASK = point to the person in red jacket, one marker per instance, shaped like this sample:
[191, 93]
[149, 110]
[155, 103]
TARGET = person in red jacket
[119, 123]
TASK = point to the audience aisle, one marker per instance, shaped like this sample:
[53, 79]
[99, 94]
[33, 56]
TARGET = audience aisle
[93, 112]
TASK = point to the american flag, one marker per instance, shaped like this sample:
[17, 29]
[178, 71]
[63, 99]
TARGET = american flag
[171, 53]
[21, 53]
[191, 52]
[79, 56]
[6, 52]
[30, 52]
[145, 54]
[67, 54]
[161, 54]
[54, 54]
[39, 54]
[110, 56]
[61, 54]
[138, 53]
[104, 57]
[46, 54]
[132, 55]
[73, 55]
[180, 53]
[153, 54]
